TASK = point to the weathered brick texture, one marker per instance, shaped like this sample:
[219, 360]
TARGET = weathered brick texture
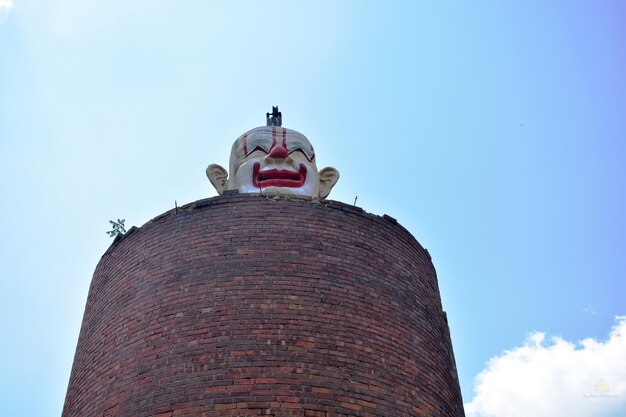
[243, 305]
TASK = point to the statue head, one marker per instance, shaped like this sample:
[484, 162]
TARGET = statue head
[273, 160]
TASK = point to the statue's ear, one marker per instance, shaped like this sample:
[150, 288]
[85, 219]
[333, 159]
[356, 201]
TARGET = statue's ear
[328, 178]
[218, 177]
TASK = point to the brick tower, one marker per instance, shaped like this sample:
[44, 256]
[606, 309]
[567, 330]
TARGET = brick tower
[275, 304]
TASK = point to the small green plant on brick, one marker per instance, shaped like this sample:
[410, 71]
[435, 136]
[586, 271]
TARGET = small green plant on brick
[118, 227]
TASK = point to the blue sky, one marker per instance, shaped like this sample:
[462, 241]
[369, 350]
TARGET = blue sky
[494, 132]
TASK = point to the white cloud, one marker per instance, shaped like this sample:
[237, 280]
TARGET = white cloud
[559, 378]
[5, 7]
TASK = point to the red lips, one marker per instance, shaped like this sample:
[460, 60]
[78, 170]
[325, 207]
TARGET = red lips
[278, 177]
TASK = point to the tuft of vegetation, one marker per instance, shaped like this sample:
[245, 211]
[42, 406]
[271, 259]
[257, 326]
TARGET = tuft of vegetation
[118, 227]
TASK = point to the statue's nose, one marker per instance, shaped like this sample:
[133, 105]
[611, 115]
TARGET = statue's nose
[278, 152]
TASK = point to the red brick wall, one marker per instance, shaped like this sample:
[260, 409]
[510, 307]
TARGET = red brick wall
[243, 305]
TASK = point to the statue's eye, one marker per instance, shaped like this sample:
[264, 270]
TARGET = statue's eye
[258, 148]
[298, 150]
[307, 154]
[258, 144]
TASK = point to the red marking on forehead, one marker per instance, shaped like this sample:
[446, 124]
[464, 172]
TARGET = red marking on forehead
[285, 138]
[273, 136]
[245, 144]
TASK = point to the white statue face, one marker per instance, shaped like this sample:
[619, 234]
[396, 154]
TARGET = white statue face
[273, 160]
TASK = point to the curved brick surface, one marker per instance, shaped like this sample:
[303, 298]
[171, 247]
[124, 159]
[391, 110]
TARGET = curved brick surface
[243, 305]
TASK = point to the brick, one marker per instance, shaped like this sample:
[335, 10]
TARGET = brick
[320, 390]
[225, 406]
[351, 406]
